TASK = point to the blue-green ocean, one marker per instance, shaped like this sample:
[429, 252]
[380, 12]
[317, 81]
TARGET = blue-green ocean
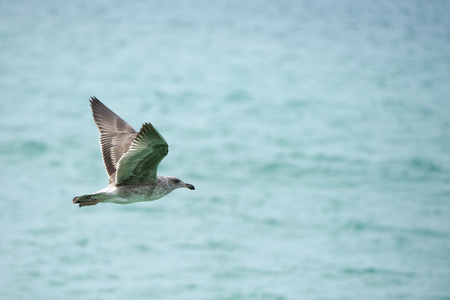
[316, 133]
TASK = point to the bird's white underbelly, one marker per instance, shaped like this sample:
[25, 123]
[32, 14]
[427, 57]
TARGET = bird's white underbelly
[136, 198]
[140, 194]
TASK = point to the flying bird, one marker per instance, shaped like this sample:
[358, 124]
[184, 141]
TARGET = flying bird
[131, 160]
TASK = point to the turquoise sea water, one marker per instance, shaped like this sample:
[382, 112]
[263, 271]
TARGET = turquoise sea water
[316, 133]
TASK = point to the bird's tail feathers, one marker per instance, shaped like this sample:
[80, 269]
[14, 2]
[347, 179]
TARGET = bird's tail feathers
[87, 200]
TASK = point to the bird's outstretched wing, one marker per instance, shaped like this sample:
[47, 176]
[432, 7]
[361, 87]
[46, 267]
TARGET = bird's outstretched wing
[116, 135]
[139, 165]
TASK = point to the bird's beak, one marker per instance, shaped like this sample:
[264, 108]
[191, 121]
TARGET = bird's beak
[189, 186]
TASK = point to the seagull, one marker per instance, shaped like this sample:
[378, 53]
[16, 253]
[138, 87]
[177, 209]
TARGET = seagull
[131, 160]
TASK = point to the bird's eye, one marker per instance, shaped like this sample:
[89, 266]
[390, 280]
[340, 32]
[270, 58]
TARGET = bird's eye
[176, 180]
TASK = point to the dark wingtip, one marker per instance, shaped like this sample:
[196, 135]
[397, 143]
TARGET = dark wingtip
[93, 100]
[97, 104]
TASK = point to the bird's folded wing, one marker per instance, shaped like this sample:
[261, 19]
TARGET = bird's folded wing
[139, 165]
[116, 135]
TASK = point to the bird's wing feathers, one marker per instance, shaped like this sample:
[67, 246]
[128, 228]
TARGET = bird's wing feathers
[116, 135]
[140, 163]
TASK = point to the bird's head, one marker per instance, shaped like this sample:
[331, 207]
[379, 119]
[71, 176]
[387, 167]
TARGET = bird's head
[178, 183]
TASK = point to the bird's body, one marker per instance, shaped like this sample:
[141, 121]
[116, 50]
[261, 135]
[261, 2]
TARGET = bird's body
[131, 160]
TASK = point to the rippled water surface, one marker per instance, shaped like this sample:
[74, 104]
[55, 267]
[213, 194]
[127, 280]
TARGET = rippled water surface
[317, 134]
